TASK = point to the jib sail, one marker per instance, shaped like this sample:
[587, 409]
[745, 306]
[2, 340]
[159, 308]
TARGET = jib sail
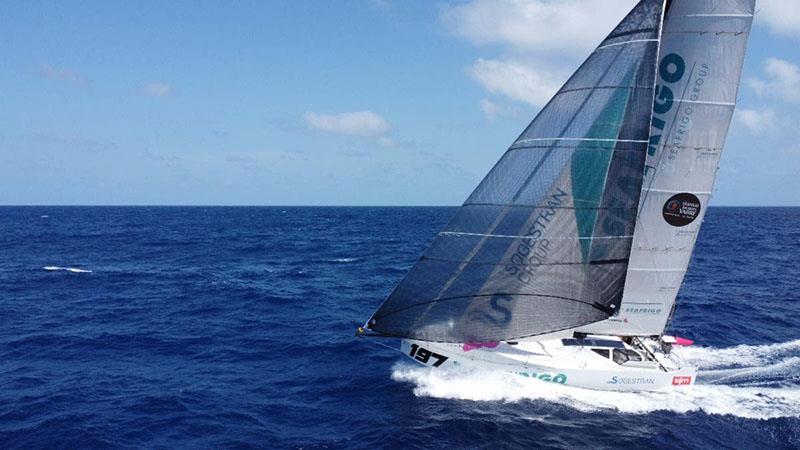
[700, 64]
[543, 242]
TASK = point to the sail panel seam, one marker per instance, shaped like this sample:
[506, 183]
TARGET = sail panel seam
[599, 262]
[625, 42]
[701, 102]
[673, 191]
[637, 141]
[592, 88]
[628, 33]
[712, 15]
[548, 206]
[459, 297]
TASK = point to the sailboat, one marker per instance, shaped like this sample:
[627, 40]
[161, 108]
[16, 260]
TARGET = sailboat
[564, 264]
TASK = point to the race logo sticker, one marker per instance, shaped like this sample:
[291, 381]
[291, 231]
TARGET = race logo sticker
[681, 209]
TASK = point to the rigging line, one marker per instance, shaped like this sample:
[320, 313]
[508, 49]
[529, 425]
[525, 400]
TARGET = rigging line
[378, 341]
[524, 185]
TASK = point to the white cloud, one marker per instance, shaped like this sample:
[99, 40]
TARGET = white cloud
[156, 89]
[516, 80]
[386, 141]
[69, 76]
[359, 123]
[490, 109]
[537, 25]
[781, 16]
[539, 41]
[380, 4]
[757, 121]
[782, 80]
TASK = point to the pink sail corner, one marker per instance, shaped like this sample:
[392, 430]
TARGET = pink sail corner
[683, 341]
[469, 346]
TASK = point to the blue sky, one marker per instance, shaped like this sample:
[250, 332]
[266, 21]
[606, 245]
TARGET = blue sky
[373, 102]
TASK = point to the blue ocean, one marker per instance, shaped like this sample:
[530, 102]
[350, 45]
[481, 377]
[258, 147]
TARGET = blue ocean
[233, 327]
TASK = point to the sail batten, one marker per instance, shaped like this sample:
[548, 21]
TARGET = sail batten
[525, 141]
[544, 241]
[626, 42]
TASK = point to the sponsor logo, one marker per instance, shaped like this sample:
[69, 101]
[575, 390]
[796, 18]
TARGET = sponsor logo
[670, 71]
[631, 380]
[681, 381]
[558, 378]
[642, 310]
[681, 209]
[533, 249]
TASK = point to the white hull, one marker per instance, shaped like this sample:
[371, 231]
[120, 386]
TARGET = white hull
[579, 363]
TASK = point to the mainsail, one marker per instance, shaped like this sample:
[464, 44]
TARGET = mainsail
[702, 52]
[543, 242]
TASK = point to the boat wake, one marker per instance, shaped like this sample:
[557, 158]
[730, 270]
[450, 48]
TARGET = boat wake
[66, 269]
[749, 381]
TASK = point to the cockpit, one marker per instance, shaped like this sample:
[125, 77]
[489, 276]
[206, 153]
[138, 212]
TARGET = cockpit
[610, 349]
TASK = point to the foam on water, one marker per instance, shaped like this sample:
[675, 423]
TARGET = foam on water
[66, 269]
[756, 382]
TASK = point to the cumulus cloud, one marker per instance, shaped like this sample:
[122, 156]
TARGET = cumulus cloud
[156, 89]
[69, 76]
[516, 80]
[782, 80]
[536, 25]
[358, 123]
[780, 16]
[756, 121]
[490, 109]
[539, 42]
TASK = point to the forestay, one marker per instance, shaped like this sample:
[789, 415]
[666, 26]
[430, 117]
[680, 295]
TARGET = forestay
[702, 52]
[543, 243]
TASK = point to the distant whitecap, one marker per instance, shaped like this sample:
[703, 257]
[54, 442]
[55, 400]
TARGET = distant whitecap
[66, 269]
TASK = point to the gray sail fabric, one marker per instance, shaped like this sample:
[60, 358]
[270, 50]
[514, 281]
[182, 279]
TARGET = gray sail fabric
[543, 242]
[702, 53]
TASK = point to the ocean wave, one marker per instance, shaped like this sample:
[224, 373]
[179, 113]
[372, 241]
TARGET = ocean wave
[66, 269]
[739, 384]
[345, 260]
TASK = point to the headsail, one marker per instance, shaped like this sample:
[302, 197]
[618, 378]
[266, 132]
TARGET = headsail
[700, 64]
[543, 243]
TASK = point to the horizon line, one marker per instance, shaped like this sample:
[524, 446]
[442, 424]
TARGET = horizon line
[200, 205]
